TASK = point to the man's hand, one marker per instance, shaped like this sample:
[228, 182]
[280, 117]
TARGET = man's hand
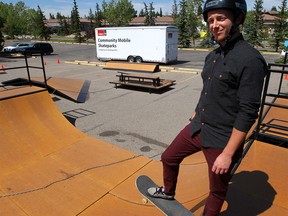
[224, 160]
[222, 164]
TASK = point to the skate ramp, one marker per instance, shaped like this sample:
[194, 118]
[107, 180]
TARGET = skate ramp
[72, 89]
[48, 167]
[144, 67]
[260, 185]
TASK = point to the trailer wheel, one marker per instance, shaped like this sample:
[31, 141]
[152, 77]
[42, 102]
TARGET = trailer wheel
[138, 59]
[130, 59]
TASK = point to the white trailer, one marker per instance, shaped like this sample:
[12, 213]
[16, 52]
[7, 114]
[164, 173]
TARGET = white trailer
[137, 44]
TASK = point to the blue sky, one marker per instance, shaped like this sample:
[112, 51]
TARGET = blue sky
[65, 6]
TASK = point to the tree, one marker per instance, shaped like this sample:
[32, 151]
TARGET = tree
[1, 35]
[14, 16]
[51, 16]
[141, 13]
[175, 11]
[98, 16]
[150, 14]
[90, 33]
[118, 13]
[160, 13]
[184, 35]
[64, 28]
[192, 19]
[39, 26]
[274, 8]
[75, 23]
[254, 25]
[281, 26]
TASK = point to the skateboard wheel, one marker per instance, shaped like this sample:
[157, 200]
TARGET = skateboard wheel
[144, 201]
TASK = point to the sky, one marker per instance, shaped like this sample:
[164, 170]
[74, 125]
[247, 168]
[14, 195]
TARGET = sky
[65, 6]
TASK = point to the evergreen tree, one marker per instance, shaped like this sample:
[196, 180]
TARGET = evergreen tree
[98, 16]
[274, 8]
[150, 14]
[254, 25]
[146, 15]
[141, 13]
[90, 33]
[281, 26]
[175, 11]
[192, 19]
[58, 16]
[1, 35]
[39, 28]
[51, 16]
[184, 35]
[75, 23]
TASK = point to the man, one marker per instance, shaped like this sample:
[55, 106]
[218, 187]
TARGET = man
[233, 77]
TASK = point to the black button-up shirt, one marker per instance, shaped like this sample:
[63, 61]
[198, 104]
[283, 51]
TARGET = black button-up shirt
[233, 78]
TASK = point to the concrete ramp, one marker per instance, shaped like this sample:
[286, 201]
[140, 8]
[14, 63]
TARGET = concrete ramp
[48, 167]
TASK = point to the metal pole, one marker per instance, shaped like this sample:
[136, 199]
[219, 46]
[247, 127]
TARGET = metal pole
[44, 72]
[27, 68]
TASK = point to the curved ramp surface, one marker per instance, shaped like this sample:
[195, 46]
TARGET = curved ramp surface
[48, 167]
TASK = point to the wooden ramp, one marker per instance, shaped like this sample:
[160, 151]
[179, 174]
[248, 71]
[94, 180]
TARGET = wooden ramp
[73, 89]
[118, 65]
[48, 167]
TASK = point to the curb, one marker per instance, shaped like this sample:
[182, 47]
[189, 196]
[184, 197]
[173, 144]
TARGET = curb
[162, 68]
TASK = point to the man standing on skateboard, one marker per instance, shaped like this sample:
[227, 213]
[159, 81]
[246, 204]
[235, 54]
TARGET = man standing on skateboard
[233, 77]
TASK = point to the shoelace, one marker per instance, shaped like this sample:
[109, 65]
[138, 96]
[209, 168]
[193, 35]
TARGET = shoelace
[159, 190]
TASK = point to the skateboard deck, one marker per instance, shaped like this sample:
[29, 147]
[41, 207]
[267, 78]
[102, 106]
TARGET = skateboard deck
[168, 207]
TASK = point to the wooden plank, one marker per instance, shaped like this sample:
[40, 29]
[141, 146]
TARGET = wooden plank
[118, 65]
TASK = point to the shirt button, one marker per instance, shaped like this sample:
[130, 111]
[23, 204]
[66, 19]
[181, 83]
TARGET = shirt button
[205, 93]
[203, 109]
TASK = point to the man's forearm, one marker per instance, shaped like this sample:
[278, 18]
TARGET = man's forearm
[236, 139]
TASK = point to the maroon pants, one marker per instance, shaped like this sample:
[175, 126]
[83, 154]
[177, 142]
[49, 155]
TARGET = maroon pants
[184, 145]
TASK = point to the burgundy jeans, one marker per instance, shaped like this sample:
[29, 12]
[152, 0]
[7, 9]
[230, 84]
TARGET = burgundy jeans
[184, 145]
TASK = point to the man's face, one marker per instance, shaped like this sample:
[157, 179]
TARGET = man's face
[220, 22]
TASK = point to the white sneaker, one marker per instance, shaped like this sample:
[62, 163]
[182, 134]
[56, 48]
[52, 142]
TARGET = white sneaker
[158, 192]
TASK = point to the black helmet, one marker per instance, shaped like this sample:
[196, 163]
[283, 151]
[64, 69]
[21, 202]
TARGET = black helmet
[237, 6]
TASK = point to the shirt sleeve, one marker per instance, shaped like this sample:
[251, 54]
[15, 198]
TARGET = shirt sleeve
[249, 93]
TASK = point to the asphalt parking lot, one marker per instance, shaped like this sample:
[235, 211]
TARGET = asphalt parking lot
[133, 119]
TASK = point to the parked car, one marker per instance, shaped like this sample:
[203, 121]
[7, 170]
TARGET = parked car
[35, 48]
[13, 47]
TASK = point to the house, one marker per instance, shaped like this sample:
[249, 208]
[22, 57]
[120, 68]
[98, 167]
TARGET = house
[160, 21]
[54, 23]
[136, 21]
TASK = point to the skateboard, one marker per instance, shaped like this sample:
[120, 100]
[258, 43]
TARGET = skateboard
[168, 207]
